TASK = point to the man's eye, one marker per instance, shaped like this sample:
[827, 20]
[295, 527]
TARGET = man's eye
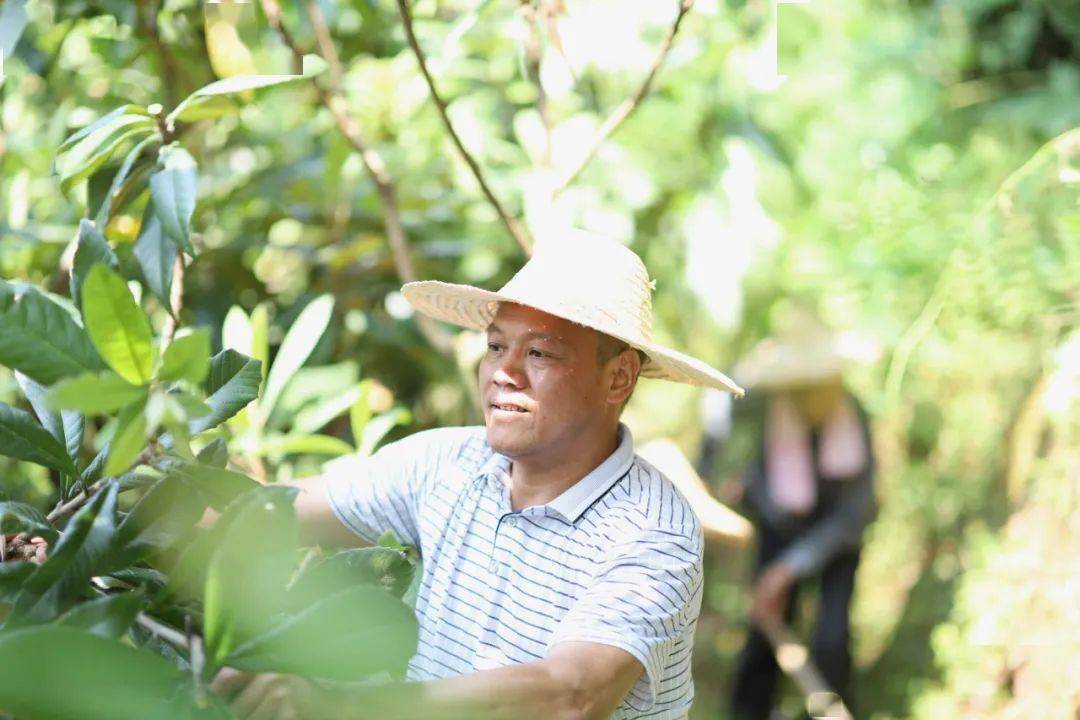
[538, 353]
[494, 346]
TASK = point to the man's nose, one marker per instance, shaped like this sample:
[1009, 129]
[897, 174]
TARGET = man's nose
[508, 371]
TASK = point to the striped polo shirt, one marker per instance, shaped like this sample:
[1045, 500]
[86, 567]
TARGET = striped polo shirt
[615, 559]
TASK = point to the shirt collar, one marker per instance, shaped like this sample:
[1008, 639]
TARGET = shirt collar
[576, 499]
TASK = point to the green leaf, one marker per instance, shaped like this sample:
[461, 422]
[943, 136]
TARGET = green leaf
[117, 325]
[92, 248]
[379, 566]
[172, 191]
[108, 616]
[16, 517]
[39, 338]
[84, 158]
[215, 454]
[94, 393]
[314, 417]
[360, 413]
[156, 255]
[350, 635]
[90, 678]
[249, 569]
[187, 358]
[238, 84]
[233, 382]
[295, 349]
[377, 428]
[128, 440]
[23, 439]
[217, 487]
[66, 426]
[81, 552]
[299, 443]
[314, 385]
[101, 122]
[101, 218]
[166, 512]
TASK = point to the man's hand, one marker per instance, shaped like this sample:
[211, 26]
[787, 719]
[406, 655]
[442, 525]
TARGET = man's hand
[18, 547]
[268, 696]
[771, 592]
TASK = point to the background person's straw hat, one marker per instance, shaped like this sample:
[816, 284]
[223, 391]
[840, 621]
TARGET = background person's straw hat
[597, 283]
[804, 352]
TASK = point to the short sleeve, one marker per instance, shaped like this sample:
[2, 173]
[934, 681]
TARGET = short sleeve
[371, 495]
[645, 600]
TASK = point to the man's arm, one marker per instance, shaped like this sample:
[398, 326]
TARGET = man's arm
[576, 681]
[318, 522]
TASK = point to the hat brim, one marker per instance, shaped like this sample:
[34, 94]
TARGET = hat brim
[474, 308]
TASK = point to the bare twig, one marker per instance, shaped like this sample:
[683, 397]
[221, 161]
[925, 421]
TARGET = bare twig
[64, 509]
[628, 106]
[533, 56]
[146, 17]
[373, 163]
[512, 225]
[164, 632]
[176, 300]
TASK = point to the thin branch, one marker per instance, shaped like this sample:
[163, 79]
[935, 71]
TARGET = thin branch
[533, 57]
[512, 225]
[146, 16]
[628, 106]
[176, 300]
[63, 509]
[400, 250]
[163, 632]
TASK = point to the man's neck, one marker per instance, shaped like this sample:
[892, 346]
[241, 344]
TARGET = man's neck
[538, 481]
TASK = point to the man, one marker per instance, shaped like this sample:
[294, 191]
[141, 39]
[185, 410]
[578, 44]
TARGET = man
[809, 489]
[562, 574]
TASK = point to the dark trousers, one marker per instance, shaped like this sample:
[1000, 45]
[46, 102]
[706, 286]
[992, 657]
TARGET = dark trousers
[757, 673]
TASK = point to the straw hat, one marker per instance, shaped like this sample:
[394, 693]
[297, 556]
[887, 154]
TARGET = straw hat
[804, 352]
[597, 283]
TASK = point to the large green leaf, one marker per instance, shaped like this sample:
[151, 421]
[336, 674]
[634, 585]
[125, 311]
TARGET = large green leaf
[89, 678]
[187, 358]
[40, 338]
[165, 513]
[300, 443]
[66, 426]
[94, 393]
[81, 552]
[349, 635]
[92, 248]
[104, 121]
[381, 566]
[233, 382]
[172, 192]
[295, 349]
[203, 98]
[22, 438]
[78, 161]
[249, 568]
[109, 616]
[217, 486]
[128, 440]
[117, 325]
[156, 255]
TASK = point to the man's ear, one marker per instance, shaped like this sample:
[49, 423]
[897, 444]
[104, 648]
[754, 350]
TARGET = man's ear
[625, 366]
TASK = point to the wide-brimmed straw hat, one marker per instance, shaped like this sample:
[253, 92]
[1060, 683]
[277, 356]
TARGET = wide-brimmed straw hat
[596, 282]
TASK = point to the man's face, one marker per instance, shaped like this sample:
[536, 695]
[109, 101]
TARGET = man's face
[541, 383]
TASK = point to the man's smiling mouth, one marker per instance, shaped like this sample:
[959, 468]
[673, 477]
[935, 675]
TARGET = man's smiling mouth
[508, 407]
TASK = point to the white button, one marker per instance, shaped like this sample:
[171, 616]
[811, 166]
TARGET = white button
[492, 565]
[511, 521]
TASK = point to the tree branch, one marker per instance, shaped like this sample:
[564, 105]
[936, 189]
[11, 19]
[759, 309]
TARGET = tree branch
[512, 225]
[615, 120]
[533, 57]
[146, 17]
[334, 102]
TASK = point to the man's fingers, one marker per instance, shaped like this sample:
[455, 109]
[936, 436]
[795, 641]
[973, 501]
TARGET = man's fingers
[229, 681]
[253, 695]
[275, 705]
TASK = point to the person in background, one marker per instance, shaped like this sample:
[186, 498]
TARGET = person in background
[808, 487]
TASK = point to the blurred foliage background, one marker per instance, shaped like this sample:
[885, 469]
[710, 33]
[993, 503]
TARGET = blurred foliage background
[916, 175]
